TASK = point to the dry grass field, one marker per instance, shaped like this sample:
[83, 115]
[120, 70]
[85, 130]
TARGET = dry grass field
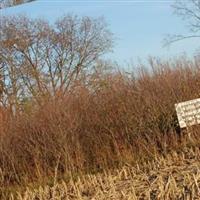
[175, 177]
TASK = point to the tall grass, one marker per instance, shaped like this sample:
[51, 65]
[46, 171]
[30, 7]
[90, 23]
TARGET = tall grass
[116, 119]
[177, 176]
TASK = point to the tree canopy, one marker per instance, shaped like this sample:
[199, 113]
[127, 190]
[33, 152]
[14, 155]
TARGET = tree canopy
[38, 58]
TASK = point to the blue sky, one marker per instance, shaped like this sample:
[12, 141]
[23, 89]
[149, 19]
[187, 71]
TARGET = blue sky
[138, 26]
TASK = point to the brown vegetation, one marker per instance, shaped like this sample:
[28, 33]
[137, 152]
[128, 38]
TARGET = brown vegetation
[64, 111]
[175, 177]
[116, 120]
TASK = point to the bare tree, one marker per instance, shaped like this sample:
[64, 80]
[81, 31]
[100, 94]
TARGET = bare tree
[39, 59]
[189, 11]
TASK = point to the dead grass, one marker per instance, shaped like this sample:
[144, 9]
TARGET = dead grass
[114, 120]
[176, 177]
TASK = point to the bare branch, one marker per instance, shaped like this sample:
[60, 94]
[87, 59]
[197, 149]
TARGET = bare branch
[48, 59]
[190, 12]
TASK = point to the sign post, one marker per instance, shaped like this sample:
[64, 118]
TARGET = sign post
[188, 113]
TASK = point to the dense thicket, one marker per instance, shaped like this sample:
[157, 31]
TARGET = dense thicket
[116, 119]
[62, 108]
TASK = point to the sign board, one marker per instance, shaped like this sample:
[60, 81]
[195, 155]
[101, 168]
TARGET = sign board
[188, 113]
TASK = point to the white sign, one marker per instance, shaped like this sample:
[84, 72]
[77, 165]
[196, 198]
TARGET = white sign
[188, 113]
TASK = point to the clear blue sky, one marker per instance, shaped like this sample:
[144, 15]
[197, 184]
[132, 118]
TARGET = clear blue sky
[138, 26]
